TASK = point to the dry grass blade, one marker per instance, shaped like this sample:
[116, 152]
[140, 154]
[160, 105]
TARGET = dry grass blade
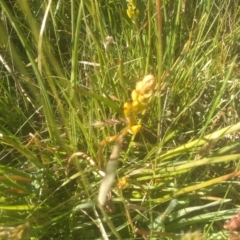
[110, 173]
[102, 124]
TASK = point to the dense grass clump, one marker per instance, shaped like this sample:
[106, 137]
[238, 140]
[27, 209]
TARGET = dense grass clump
[68, 69]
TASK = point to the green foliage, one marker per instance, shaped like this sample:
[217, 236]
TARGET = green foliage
[69, 66]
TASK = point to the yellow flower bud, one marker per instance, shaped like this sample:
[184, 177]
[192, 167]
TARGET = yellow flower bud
[129, 12]
[137, 194]
[148, 83]
[143, 100]
[136, 107]
[123, 183]
[150, 79]
[128, 113]
[134, 95]
[139, 86]
[135, 129]
[127, 109]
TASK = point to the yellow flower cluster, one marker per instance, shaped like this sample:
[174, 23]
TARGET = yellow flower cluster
[140, 100]
[132, 10]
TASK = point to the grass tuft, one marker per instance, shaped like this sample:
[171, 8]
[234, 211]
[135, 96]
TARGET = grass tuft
[68, 68]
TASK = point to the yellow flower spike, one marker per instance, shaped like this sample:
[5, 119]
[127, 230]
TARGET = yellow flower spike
[140, 99]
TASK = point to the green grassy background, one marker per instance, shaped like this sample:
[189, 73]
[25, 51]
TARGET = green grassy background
[60, 78]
